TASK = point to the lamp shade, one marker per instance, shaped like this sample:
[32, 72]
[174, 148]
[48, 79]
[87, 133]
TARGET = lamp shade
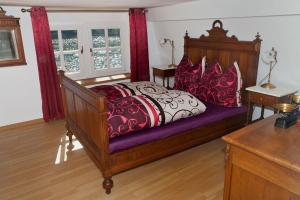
[270, 56]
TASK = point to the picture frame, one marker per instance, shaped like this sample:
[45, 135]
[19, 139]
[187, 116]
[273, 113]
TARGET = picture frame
[11, 44]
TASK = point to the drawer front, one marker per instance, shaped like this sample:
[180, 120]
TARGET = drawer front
[258, 173]
[262, 99]
[169, 72]
[163, 73]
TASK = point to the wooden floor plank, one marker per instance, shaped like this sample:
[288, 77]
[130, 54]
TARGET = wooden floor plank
[36, 164]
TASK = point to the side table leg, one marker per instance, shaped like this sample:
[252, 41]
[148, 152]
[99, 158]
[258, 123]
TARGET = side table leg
[249, 113]
[262, 112]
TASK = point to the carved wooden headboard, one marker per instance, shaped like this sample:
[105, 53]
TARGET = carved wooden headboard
[217, 46]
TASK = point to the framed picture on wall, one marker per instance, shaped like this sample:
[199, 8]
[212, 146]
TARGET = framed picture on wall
[11, 45]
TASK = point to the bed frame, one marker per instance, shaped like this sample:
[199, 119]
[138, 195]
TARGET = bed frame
[86, 111]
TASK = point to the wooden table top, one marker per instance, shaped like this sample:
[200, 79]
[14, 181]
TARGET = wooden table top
[262, 138]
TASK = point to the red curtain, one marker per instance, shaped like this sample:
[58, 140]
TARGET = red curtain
[52, 105]
[138, 45]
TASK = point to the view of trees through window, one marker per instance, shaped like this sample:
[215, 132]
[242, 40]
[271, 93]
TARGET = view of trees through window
[106, 54]
[105, 49]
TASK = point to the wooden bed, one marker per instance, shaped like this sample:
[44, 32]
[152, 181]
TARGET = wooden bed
[86, 111]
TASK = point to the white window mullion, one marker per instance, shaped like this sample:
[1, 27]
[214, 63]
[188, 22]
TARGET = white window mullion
[82, 44]
[62, 60]
[87, 57]
[106, 48]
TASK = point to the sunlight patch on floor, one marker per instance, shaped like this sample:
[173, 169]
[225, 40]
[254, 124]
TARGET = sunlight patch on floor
[63, 149]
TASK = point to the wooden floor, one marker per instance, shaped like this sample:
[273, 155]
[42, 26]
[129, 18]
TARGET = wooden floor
[35, 164]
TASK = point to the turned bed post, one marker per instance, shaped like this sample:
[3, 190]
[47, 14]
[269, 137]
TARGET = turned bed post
[104, 144]
[69, 133]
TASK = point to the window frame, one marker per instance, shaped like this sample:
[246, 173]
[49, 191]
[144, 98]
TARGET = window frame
[109, 70]
[86, 61]
[60, 28]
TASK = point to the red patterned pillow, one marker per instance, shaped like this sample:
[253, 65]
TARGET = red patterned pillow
[184, 64]
[219, 88]
[187, 74]
[202, 89]
[225, 88]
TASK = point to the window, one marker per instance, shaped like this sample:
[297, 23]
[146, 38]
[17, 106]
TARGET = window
[106, 50]
[99, 49]
[114, 48]
[70, 51]
[88, 52]
[65, 46]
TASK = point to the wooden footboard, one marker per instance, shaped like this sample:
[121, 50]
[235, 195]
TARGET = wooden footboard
[86, 118]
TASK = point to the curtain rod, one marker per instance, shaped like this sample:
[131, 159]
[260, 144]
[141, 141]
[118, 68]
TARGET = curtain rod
[69, 10]
[86, 11]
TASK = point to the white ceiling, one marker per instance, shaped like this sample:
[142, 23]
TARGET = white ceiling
[93, 4]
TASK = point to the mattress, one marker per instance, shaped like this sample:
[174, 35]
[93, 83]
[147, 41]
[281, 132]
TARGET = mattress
[212, 114]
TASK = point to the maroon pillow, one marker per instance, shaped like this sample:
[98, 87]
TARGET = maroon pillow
[225, 88]
[187, 74]
[202, 89]
[219, 88]
[184, 64]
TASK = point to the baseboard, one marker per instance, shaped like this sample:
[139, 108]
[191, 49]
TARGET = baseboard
[21, 124]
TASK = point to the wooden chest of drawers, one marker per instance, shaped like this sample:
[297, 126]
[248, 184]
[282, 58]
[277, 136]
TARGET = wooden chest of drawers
[263, 162]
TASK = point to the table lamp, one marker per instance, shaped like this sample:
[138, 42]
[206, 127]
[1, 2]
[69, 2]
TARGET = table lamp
[171, 42]
[270, 58]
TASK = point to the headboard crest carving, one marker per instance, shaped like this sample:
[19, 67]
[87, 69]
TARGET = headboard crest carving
[217, 32]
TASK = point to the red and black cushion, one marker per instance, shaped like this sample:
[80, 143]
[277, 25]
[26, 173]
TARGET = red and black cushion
[225, 88]
[219, 88]
[187, 74]
[202, 89]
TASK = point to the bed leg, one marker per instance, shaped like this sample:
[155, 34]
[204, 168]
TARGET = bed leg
[107, 185]
[69, 134]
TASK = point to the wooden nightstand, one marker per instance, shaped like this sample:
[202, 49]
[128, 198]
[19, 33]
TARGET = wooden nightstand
[164, 72]
[265, 98]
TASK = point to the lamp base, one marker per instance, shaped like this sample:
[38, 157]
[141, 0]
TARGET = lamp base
[172, 66]
[268, 86]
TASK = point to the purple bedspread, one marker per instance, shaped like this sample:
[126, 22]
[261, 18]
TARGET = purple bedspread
[212, 114]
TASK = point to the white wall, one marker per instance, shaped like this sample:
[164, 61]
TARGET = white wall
[278, 24]
[203, 9]
[20, 98]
